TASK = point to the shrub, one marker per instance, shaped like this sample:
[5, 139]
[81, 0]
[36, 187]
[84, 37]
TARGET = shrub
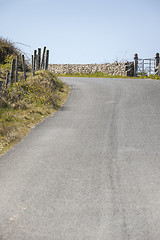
[7, 49]
[42, 89]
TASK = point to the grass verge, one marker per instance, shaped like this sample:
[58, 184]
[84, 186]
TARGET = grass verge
[26, 103]
[103, 75]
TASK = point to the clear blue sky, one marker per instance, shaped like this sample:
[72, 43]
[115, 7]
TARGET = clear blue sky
[84, 31]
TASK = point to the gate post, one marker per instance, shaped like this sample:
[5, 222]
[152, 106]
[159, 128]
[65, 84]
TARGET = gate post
[135, 64]
[156, 62]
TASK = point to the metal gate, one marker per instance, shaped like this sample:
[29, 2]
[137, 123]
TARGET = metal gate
[146, 66]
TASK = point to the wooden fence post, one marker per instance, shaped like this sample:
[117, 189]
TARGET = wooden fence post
[35, 59]
[135, 64]
[17, 60]
[7, 79]
[39, 58]
[12, 71]
[47, 60]
[37, 62]
[43, 58]
[24, 67]
[32, 65]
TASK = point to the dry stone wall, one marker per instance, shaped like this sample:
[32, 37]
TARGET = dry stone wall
[122, 69]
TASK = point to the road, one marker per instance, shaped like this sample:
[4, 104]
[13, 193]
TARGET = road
[91, 171]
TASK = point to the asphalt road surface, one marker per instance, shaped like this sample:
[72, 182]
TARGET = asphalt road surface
[91, 171]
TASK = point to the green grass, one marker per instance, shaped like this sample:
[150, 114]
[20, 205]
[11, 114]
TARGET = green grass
[91, 75]
[24, 104]
[153, 77]
[103, 75]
